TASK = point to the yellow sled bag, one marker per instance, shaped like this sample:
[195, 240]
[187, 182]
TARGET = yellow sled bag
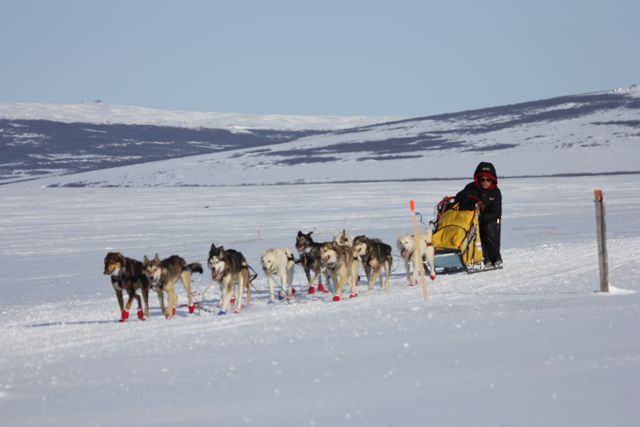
[458, 231]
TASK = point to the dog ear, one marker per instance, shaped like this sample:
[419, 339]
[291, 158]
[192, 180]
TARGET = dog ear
[145, 260]
[157, 258]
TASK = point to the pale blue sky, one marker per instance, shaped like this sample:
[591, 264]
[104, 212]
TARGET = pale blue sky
[332, 57]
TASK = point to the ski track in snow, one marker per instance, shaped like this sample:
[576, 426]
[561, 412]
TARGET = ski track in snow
[528, 344]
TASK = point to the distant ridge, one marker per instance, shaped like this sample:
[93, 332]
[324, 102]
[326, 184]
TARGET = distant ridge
[596, 133]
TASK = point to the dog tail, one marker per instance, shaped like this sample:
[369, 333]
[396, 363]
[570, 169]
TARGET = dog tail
[195, 267]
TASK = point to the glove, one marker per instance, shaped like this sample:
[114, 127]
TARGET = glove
[480, 205]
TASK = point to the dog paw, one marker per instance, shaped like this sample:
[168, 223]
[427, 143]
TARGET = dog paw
[432, 277]
[312, 290]
[232, 301]
[353, 295]
[124, 316]
[222, 313]
[336, 298]
[192, 308]
[321, 288]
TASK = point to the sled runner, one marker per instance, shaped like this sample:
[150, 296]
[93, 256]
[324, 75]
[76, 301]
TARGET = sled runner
[456, 239]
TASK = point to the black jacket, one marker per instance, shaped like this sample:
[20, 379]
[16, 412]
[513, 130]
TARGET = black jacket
[489, 201]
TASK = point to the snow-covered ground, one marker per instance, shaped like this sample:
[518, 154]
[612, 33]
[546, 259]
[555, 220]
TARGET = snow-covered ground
[529, 345]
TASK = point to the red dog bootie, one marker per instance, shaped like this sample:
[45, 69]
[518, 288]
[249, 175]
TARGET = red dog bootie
[336, 298]
[232, 301]
[353, 295]
[140, 314]
[312, 290]
[321, 288]
[124, 316]
[192, 308]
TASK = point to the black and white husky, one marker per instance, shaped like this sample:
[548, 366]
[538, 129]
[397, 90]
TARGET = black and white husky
[311, 262]
[230, 269]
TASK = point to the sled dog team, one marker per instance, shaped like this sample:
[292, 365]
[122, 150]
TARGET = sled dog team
[339, 259]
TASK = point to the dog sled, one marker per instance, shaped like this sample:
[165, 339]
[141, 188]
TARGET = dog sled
[456, 239]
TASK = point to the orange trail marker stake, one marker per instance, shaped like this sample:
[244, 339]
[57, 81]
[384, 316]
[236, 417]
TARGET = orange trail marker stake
[416, 252]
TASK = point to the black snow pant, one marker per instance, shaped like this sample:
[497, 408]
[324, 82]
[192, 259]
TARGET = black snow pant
[490, 238]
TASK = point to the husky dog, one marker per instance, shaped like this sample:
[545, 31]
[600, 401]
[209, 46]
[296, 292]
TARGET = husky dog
[128, 274]
[406, 245]
[163, 275]
[374, 255]
[229, 267]
[310, 259]
[338, 261]
[342, 238]
[280, 262]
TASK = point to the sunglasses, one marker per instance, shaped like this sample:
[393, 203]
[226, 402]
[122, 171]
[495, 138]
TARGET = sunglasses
[485, 180]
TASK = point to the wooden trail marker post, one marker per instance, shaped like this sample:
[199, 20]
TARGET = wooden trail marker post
[601, 229]
[416, 252]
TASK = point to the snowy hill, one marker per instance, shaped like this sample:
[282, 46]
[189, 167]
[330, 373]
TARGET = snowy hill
[39, 140]
[590, 133]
